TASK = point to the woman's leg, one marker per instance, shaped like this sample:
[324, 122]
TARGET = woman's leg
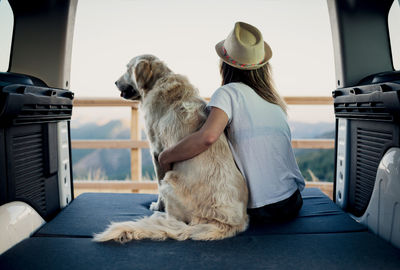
[277, 212]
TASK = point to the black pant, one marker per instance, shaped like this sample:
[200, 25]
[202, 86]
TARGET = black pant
[277, 212]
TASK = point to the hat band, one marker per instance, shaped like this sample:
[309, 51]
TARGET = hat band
[230, 59]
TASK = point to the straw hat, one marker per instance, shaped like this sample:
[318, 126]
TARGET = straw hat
[244, 48]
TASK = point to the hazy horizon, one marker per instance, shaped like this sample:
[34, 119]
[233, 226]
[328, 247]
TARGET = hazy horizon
[107, 36]
[183, 34]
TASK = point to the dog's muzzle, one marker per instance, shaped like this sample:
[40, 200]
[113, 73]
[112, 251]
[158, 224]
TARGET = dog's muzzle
[127, 91]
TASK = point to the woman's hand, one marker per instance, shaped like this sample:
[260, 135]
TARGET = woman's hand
[163, 161]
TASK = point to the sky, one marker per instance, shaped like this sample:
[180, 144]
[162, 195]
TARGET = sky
[183, 34]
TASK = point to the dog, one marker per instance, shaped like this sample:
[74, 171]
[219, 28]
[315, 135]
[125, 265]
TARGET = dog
[205, 197]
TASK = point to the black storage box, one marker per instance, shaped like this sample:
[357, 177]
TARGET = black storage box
[30, 117]
[367, 125]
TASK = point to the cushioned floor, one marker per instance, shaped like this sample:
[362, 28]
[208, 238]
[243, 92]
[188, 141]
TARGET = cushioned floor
[92, 212]
[355, 250]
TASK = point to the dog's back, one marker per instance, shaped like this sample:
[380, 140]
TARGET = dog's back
[210, 185]
[206, 196]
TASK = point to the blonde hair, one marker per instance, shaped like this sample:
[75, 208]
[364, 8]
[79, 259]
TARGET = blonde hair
[260, 80]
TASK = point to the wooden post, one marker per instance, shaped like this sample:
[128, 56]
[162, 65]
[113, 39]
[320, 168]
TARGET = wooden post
[136, 158]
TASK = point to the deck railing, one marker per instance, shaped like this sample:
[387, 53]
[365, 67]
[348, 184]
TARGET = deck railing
[135, 144]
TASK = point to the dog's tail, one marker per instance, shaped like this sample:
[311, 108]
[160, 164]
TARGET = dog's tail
[160, 227]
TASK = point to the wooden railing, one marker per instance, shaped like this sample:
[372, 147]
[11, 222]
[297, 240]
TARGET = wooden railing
[135, 143]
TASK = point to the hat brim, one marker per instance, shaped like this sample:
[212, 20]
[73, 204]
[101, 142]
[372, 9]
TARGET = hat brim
[267, 57]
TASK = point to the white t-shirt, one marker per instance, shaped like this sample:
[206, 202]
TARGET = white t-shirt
[260, 140]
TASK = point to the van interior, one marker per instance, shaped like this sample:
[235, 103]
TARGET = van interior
[43, 226]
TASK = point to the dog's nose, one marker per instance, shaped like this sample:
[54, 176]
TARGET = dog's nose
[116, 83]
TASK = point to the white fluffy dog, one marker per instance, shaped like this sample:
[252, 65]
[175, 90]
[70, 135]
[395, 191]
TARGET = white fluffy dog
[205, 197]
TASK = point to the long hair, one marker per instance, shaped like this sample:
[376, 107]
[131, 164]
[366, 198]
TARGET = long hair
[260, 80]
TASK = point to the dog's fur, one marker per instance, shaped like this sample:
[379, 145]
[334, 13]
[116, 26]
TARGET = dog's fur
[205, 197]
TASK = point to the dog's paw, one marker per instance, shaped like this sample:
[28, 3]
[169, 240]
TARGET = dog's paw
[155, 206]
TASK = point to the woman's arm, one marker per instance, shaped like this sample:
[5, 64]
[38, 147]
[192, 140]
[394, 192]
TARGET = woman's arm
[197, 142]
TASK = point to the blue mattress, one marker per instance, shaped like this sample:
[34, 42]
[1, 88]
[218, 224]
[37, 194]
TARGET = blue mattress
[91, 213]
[323, 236]
[356, 250]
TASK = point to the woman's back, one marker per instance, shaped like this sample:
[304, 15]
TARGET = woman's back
[260, 140]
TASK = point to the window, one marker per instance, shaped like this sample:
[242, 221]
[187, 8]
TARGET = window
[6, 29]
[183, 34]
[394, 32]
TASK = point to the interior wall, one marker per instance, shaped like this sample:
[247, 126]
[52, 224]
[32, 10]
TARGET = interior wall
[361, 39]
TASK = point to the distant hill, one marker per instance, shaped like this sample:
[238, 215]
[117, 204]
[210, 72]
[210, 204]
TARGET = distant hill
[310, 130]
[317, 163]
[114, 164]
[106, 163]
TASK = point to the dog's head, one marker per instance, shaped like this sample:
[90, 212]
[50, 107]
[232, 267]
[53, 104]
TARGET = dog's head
[142, 72]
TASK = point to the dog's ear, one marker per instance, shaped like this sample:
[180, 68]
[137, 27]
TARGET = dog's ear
[143, 73]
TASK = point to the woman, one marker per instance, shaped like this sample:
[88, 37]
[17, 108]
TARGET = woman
[254, 116]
